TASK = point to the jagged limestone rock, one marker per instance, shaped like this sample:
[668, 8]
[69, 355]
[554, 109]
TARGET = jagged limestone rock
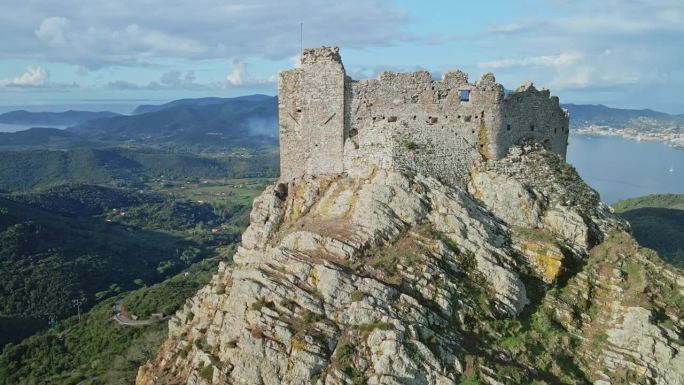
[387, 278]
[646, 348]
[627, 307]
[534, 189]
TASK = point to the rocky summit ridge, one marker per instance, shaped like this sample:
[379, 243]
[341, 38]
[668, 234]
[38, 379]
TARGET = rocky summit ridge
[375, 276]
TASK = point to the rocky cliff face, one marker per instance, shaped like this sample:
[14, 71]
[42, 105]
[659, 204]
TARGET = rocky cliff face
[376, 277]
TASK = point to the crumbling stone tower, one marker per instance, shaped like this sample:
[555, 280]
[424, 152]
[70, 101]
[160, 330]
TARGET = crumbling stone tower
[330, 123]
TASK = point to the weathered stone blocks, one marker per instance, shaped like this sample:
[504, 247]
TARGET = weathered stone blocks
[330, 123]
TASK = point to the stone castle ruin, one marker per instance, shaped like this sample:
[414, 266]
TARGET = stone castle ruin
[330, 123]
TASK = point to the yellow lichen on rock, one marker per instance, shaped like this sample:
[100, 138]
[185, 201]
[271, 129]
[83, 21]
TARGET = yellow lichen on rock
[297, 204]
[541, 251]
[299, 343]
[546, 258]
[337, 199]
[315, 280]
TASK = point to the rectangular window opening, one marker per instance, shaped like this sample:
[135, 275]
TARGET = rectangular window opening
[464, 95]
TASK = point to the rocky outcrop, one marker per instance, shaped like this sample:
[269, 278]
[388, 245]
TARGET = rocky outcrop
[532, 188]
[645, 348]
[379, 277]
[627, 307]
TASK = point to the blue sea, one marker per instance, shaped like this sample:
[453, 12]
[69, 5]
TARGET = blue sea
[620, 168]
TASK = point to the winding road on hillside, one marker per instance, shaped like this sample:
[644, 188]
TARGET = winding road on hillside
[121, 316]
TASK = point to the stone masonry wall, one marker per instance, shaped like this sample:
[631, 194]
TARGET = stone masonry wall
[530, 114]
[311, 115]
[406, 121]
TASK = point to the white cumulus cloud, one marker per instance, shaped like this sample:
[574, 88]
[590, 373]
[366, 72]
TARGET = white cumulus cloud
[33, 77]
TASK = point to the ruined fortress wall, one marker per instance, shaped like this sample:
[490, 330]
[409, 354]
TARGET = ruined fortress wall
[312, 115]
[533, 115]
[330, 123]
[408, 121]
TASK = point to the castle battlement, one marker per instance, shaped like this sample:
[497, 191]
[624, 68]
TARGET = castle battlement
[407, 121]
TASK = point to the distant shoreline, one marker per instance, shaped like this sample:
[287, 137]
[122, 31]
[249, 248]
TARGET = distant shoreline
[673, 140]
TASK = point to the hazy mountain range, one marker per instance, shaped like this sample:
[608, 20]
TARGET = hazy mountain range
[237, 120]
[145, 108]
[583, 115]
[243, 121]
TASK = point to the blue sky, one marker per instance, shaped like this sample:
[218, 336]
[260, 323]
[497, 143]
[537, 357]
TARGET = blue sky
[622, 53]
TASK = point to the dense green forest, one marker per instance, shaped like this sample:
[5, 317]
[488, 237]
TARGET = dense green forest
[83, 242]
[49, 260]
[657, 222]
[98, 350]
[75, 199]
[131, 167]
[117, 210]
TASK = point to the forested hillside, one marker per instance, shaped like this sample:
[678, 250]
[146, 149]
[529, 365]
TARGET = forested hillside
[66, 118]
[98, 350]
[42, 137]
[83, 242]
[49, 260]
[657, 222]
[28, 169]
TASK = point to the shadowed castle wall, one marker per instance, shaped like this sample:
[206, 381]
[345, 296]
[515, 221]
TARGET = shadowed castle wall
[406, 121]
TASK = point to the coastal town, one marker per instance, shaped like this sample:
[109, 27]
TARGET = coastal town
[673, 136]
